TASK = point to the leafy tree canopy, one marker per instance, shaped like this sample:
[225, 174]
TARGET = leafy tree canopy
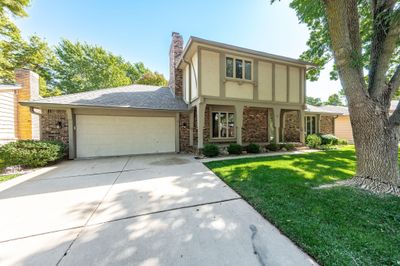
[334, 99]
[151, 78]
[313, 101]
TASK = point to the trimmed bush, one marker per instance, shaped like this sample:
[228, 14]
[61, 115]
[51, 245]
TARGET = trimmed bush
[313, 141]
[288, 146]
[210, 150]
[31, 153]
[253, 148]
[273, 147]
[235, 149]
[342, 142]
[329, 139]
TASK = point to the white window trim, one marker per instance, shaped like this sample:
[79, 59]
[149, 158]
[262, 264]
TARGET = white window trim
[243, 68]
[316, 124]
[227, 125]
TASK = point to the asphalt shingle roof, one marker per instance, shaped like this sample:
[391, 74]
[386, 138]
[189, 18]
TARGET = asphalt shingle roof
[133, 96]
[327, 109]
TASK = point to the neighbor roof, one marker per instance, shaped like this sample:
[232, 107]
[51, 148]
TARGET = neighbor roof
[133, 96]
[327, 109]
[193, 39]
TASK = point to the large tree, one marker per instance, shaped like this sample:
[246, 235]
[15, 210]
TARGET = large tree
[362, 36]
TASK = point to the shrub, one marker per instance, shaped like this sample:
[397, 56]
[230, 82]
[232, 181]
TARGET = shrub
[329, 139]
[253, 148]
[210, 150]
[31, 153]
[313, 141]
[328, 147]
[342, 142]
[273, 147]
[288, 146]
[235, 149]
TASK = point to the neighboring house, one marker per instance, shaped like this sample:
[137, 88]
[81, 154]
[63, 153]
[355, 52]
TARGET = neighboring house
[218, 93]
[322, 119]
[16, 121]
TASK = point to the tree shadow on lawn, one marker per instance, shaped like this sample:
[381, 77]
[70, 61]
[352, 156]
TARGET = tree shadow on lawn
[339, 225]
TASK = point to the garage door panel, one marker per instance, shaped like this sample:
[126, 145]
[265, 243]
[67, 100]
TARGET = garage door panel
[124, 135]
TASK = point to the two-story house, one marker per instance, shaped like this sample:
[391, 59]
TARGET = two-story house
[218, 93]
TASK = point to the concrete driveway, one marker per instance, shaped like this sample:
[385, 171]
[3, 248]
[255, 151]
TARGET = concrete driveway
[139, 210]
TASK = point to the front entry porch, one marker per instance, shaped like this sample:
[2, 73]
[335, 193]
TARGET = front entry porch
[244, 124]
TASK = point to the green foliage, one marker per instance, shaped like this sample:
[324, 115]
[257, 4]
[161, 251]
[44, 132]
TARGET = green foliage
[235, 148]
[273, 146]
[288, 146]
[342, 142]
[151, 78]
[313, 141]
[313, 101]
[31, 153]
[329, 139]
[210, 150]
[338, 225]
[253, 148]
[334, 99]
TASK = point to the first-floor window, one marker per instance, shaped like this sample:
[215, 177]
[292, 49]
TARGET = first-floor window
[310, 124]
[223, 125]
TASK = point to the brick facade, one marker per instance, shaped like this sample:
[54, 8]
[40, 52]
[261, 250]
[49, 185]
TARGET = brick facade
[291, 131]
[54, 125]
[327, 125]
[255, 125]
[184, 133]
[175, 74]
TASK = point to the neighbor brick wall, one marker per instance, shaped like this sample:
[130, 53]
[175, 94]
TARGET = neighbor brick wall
[184, 133]
[255, 125]
[49, 123]
[327, 125]
[292, 127]
[25, 77]
[176, 75]
[206, 129]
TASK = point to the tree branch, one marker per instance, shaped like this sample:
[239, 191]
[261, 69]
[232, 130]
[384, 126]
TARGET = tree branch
[394, 83]
[384, 38]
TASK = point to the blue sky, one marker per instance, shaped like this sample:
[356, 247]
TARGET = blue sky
[141, 30]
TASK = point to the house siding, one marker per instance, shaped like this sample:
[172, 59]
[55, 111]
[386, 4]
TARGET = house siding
[7, 116]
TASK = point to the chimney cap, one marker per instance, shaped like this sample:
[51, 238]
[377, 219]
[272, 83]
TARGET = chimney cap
[174, 33]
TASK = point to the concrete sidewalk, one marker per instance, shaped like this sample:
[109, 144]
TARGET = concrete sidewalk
[139, 210]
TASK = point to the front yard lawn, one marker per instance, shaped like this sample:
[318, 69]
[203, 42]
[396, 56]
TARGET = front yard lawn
[337, 225]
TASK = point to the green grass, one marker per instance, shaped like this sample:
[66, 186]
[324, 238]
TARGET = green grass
[337, 226]
[6, 177]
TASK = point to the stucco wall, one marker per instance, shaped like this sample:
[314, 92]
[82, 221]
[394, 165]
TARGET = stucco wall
[210, 77]
[194, 62]
[238, 90]
[264, 81]
[294, 85]
[280, 83]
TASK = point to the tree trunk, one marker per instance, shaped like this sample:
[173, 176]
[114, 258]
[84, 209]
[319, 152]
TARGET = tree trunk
[376, 143]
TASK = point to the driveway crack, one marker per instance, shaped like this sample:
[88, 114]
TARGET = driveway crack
[93, 212]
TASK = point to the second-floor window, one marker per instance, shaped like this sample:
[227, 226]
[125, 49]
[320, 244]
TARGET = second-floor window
[238, 68]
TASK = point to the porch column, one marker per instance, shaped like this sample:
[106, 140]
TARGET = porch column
[191, 120]
[318, 122]
[201, 107]
[277, 123]
[71, 134]
[239, 123]
[301, 126]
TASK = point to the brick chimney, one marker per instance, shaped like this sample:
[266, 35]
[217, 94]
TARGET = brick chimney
[175, 74]
[27, 126]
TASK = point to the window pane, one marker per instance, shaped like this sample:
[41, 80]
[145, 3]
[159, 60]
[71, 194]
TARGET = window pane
[247, 69]
[231, 125]
[229, 67]
[308, 125]
[215, 121]
[223, 125]
[313, 125]
[239, 68]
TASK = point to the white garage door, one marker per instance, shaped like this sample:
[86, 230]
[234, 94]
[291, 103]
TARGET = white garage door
[123, 135]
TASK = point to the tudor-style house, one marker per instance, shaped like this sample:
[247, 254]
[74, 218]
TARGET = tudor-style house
[217, 93]
[239, 95]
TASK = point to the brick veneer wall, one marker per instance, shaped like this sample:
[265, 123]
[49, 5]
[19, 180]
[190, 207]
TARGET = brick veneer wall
[50, 122]
[175, 74]
[292, 127]
[206, 129]
[255, 125]
[184, 133]
[327, 125]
